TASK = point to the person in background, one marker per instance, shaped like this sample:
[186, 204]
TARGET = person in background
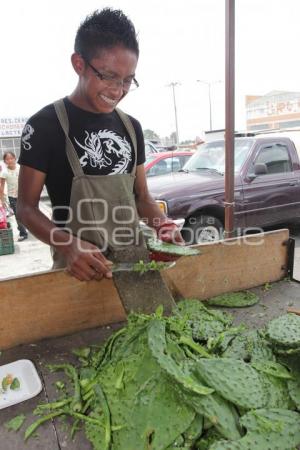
[10, 175]
[90, 155]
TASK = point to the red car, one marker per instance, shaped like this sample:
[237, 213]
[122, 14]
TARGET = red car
[166, 162]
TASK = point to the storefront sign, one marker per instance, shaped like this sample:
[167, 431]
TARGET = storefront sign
[12, 126]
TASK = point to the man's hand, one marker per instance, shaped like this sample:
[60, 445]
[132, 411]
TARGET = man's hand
[85, 261]
[169, 232]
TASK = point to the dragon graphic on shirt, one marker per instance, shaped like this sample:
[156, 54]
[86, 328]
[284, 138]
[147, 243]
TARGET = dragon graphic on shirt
[26, 135]
[100, 146]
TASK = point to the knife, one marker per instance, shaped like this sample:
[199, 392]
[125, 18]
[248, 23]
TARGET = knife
[142, 266]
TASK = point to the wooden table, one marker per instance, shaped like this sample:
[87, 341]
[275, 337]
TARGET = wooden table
[55, 435]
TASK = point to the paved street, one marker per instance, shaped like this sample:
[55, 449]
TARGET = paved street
[32, 255]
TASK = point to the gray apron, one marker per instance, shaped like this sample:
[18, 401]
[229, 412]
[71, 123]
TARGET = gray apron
[102, 208]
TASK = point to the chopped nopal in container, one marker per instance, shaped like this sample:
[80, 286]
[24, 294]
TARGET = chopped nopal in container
[29, 384]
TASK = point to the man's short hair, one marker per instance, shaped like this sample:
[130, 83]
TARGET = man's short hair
[103, 30]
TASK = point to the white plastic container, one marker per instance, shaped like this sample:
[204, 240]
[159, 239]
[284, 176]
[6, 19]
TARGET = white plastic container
[30, 383]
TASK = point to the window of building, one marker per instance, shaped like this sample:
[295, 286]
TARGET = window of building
[263, 126]
[289, 124]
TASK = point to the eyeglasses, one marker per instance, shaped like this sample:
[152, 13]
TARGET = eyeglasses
[129, 84]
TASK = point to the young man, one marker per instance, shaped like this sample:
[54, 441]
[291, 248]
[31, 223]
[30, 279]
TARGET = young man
[90, 157]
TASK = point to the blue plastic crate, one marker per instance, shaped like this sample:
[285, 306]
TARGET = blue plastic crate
[7, 245]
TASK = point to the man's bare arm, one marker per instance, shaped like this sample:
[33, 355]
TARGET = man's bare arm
[146, 205]
[83, 264]
[150, 211]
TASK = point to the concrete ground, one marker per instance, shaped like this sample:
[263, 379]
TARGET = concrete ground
[30, 255]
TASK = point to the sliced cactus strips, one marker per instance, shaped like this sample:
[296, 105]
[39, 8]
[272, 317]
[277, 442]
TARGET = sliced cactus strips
[204, 323]
[158, 347]
[273, 429]
[234, 299]
[284, 331]
[234, 380]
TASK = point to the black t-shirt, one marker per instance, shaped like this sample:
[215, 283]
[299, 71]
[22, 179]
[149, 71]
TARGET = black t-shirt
[101, 141]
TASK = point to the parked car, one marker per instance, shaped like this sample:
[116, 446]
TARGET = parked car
[267, 187]
[165, 162]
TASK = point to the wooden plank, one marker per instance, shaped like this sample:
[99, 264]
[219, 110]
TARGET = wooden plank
[231, 265]
[54, 304]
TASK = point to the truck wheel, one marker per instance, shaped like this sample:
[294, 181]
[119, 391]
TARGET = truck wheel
[202, 229]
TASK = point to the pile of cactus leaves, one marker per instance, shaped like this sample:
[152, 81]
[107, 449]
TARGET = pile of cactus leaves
[191, 380]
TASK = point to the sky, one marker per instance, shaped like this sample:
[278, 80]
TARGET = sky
[180, 41]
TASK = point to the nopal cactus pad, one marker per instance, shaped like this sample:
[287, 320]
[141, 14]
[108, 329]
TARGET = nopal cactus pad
[284, 331]
[234, 380]
[273, 429]
[234, 299]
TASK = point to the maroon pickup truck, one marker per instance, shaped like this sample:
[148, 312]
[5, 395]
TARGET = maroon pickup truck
[267, 187]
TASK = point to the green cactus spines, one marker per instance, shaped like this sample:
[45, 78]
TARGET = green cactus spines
[234, 380]
[239, 299]
[284, 331]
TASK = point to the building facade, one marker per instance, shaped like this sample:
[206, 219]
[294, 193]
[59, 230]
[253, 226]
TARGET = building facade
[275, 110]
[10, 134]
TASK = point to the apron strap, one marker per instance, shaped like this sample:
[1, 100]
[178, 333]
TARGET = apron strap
[62, 115]
[129, 127]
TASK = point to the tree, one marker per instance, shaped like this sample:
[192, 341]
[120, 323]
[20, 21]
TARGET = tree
[150, 134]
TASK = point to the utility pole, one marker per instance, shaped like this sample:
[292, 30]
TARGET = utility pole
[229, 116]
[208, 84]
[173, 84]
